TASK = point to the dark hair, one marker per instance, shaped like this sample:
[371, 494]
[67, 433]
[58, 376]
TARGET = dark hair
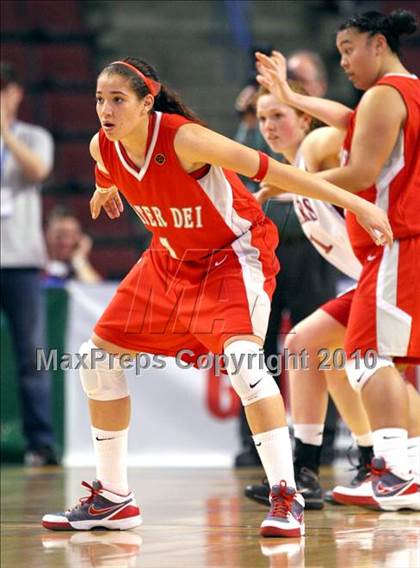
[391, 26]
[8, 75]
[296, 87]
[167, 100]
[60, 212]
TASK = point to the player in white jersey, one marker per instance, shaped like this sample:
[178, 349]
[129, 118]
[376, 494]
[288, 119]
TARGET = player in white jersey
[286, 131]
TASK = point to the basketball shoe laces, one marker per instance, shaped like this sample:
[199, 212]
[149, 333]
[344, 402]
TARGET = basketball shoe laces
[89, 498]
[282, 502]
[378, 471]
[364, 471]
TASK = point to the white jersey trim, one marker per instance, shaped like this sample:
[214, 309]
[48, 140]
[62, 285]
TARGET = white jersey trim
[393, 325]
[140, 174]
[220, 193]
[389, 172]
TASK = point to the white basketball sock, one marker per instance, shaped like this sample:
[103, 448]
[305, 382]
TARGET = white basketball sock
[413, 450]
[391, 444]
[364, 440]
[309, 433]
[111, 458]
[275, 451]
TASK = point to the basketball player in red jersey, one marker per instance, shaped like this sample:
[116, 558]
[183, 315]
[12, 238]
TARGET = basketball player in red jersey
[204, 284]
[381, 164]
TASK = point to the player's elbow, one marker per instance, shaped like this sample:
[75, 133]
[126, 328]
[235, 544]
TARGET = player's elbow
[39, 173]
[366, 177]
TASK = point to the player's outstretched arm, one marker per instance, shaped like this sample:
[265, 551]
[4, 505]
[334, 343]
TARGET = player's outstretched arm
[195, 144]
[272, 74]
[104, 197]
[320, 149]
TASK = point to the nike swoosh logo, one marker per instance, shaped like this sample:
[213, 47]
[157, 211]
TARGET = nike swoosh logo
[390, 437]
[371, 257]
[93, 511]
[102, 439]
[360, 377]
[385, 489]
[219, 262]
[252, 385]
[259, 444]
[304, 490]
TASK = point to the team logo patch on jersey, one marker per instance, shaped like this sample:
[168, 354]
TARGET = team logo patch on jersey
[160, 159]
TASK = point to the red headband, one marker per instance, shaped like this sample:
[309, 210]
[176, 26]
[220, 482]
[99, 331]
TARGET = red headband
[153, 86]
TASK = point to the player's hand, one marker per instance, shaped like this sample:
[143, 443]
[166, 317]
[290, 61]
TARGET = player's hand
[272, 74]
[375, 221]
[265, 192]
[109, 200]
[83, 248]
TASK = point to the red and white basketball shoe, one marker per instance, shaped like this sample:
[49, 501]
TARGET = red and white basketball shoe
[382, 489]
[101, 509]
[285, 517]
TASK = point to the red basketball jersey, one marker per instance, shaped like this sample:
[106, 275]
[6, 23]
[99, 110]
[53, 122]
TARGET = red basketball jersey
[397, 189]
[189, 214]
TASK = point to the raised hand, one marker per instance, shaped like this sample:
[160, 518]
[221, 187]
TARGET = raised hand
[272, 74]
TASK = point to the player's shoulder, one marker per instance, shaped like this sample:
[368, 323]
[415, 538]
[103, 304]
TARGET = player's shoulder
[170, 123]
[321, 139]
[95, 146]
[323, 133]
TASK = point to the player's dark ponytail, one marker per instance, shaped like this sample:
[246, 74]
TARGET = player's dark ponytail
[167, 100]
[391, 26]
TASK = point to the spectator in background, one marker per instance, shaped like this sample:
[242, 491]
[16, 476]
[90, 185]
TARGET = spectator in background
[306, 280]
[26, 161]
[308, 68]
[68, 249]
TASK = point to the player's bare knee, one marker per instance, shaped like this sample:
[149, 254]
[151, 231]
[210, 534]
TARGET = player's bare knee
[101, 374]
[360, 370]
[248, 373]
[293, 341]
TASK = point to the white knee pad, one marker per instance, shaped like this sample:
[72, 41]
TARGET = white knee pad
[101, 374]
[248, 373]
[359, 370]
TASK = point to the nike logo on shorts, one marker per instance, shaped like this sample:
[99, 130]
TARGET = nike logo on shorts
[102, 439]
[252, 385]
[219, 262]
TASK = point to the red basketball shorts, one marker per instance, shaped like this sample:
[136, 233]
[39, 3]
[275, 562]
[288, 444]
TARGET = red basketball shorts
[385, 311]
[165, 305]
[339, 307]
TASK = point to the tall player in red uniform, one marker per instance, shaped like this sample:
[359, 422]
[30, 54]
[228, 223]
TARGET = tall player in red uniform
[204, 284]
[381, 163]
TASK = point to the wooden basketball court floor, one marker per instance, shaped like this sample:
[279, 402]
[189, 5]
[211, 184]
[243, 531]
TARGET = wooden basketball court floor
[194, 518]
